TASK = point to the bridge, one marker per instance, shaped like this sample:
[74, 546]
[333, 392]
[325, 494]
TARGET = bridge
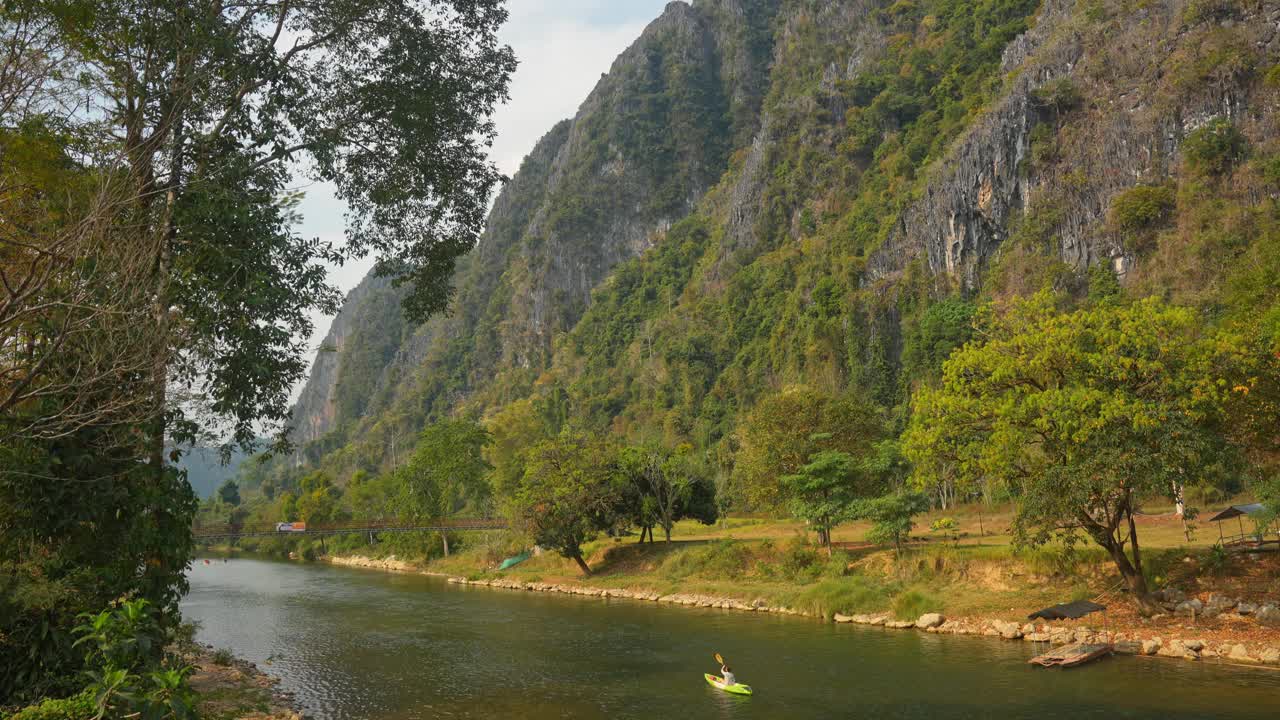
[227, 531]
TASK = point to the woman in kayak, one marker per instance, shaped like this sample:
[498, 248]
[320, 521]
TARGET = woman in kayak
[726, 675]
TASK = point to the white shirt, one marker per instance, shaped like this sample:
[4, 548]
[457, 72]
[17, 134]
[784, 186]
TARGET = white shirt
[729, 679]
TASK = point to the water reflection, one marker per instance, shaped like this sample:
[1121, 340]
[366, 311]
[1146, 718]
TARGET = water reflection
[365, 644]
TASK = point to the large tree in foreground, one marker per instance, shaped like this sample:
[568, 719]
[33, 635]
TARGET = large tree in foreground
[1081, 414]
[571, 491]
[153, 286]
[197, 120]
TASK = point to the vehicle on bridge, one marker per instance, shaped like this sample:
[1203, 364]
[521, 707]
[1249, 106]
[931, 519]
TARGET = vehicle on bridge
[291, 527]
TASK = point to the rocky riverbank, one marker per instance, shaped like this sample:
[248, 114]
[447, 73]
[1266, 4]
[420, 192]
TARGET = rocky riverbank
[233, 689]
[1172, 638]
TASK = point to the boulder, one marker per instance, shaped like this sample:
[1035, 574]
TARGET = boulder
[1193, 645]
[1268, 614]
[1037, 637]
[1189, 607]
[1270, 656]
[842, 618]
[1246, 608]
[1220, 602]
[1176, 648]
[930, 620]
[1128, 647]
[899, 624]
[1007, 630]
[1151, 647]
[1028, 629]
[1240, 653]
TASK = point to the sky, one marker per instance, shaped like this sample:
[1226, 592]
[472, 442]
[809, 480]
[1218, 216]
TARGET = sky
[563, 46]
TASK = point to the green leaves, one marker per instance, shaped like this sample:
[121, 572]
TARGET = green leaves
[1078, 413]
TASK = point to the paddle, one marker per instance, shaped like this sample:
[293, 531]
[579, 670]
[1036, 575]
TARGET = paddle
[719, 659]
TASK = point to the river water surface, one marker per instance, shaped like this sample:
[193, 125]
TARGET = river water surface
[372, 645]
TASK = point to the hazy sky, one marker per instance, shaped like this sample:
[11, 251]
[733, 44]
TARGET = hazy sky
[563, 46]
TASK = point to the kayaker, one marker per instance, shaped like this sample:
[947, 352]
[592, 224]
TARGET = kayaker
[726, 675]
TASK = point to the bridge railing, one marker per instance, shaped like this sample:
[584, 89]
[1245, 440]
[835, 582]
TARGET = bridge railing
[227, 530]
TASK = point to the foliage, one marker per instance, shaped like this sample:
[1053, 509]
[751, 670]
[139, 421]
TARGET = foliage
[666, 487]
[912, 603]
[447, 471]
[570, 492]
[318, 502]
[823, 491]
[95, 528]
[1080, 413]
[1139, 209]
[892, 516]
[785, 430]
[78, 707]
[724, 559]
[128, 670]
[1214, 148]
[229, 493]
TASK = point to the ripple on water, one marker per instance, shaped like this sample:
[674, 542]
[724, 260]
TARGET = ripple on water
[369, 645]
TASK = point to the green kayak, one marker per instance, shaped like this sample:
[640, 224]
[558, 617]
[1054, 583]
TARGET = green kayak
[736, 688]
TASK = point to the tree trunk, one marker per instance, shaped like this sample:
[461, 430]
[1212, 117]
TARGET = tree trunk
[666, 530]
[444, 538]
[582, 563]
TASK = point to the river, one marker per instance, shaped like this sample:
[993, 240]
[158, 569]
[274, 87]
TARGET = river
[364, 644]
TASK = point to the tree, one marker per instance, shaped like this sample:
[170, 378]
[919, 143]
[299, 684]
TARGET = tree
[785, 430]
[1081, 414]
[823, 491]
[892, 516]
[229, 493]
[570, 492]
[447, 471]
[318, 503]
[666, 488]
[204, 113]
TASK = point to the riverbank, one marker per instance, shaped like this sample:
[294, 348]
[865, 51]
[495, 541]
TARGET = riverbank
[1220, 615]
[233, 689]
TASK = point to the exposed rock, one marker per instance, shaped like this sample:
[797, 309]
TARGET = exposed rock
[1129, 647]
[899, 624]
[1240, 653]
[1152, 646]
[1038, 637]
[1176, 648]
[1268, 614]
[930, 620]
[842, 618]
[1189, 607]
[1246, 608]
[1007, 630]
[1270, 656]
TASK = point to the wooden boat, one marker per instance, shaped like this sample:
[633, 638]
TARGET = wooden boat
[1073, 655]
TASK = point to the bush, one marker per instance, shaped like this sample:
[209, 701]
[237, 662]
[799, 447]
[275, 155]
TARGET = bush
[79, 707]
[854, 594]
[222, 656]
[720, 560]
[911, 604]
[1215, 148]
[1142, 208]
[1209, 11]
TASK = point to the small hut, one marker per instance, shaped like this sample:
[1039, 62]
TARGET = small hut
[1243, 538]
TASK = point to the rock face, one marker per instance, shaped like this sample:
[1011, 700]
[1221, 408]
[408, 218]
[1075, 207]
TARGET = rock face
[720, 118]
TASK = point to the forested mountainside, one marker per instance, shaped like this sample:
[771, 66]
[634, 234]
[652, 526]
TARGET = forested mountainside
[767, 193]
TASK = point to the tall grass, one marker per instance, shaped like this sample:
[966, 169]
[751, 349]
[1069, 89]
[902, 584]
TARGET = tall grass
[912, 603]
[721, 560]
[846, 595]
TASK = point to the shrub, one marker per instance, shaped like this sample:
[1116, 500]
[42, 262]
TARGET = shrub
[911, 604]
[1142, 207]
[853, 594]
[79, 707]
[1215, 148]
[1209, 11]
[223, 657]
[723, 559]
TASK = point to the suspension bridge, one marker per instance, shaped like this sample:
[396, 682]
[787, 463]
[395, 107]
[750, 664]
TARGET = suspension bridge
[230, 531]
